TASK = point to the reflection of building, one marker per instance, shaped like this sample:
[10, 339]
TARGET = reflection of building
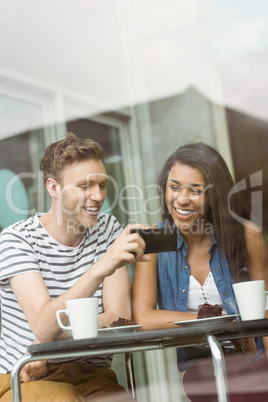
[249, 144]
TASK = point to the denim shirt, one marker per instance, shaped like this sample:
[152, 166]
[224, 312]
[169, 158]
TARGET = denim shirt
[173, 288]
[174, 277]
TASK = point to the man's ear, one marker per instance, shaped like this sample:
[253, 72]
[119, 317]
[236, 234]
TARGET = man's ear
[53, 188]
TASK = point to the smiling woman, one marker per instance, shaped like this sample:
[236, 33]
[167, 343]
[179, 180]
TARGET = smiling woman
[214, 249]
[186, 197]
[201, 164]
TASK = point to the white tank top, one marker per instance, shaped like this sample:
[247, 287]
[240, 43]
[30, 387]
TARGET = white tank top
[198, 294]
[208, 293]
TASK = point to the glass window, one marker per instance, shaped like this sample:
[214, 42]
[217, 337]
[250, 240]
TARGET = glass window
[21, 188]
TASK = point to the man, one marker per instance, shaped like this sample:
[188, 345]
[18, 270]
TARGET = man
[73, 251]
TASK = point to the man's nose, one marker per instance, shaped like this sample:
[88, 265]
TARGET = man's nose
[97, 194]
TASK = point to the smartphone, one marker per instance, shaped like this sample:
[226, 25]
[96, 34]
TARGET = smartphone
[158, 240]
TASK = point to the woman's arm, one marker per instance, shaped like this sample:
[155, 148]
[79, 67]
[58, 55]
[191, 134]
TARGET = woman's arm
[258, 254]
[144, 299]
[258, 260]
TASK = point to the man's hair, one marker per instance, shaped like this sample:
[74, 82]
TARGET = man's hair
[63, 153]
[228, 231]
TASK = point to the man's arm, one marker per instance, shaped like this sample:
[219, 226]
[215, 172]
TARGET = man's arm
[116, 303]
[40, 311]
[116, 298]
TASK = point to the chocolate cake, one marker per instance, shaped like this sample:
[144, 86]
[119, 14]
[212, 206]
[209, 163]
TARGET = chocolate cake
[208, 310]
[122, 322]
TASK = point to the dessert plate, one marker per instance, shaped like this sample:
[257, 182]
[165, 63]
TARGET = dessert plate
[113, 330]
[210, 320]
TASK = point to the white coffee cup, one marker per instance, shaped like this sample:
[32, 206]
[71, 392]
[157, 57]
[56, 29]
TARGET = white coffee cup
[266, 300]
[250, 297]
[83, 317]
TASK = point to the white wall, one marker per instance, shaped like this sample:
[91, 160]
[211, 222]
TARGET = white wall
[122, 52]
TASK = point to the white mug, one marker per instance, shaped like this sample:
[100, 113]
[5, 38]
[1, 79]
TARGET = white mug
[266, 300]
[251, 299]
[83, 317]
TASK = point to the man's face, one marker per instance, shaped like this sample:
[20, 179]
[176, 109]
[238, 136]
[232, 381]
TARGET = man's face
[83, 191]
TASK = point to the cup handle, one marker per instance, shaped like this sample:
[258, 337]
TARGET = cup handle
[58, 313]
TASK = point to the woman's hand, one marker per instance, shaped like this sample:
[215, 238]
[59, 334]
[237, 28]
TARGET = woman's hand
[247, 345]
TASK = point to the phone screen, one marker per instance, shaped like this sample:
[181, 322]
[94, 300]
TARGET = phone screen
[158, 240]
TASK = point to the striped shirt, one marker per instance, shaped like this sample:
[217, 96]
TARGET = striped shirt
[27, 247]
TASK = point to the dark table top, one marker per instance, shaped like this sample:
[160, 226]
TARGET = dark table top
[178, 336]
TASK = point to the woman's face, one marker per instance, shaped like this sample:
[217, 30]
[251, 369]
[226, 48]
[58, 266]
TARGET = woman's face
[186, 196]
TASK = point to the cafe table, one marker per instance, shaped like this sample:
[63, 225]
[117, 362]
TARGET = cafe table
[129, 342]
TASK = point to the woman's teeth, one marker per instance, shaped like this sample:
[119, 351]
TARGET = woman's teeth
[183, 211]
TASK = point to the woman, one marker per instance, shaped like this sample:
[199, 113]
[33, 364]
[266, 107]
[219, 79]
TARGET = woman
[217, 245]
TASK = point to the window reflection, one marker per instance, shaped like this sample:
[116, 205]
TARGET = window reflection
[19, 177]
